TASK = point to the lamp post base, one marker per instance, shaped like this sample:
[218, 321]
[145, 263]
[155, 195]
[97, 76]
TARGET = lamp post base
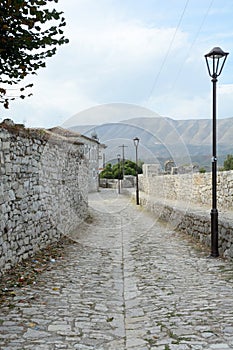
[214, 233]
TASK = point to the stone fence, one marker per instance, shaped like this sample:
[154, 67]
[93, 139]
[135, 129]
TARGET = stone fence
[43, 190]
[185, 202]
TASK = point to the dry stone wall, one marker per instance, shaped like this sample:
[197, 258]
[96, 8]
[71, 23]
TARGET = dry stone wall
[190, 188]
[185, 202]
[43, 191]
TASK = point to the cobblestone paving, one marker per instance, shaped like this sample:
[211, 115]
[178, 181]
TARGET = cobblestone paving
[127, 283]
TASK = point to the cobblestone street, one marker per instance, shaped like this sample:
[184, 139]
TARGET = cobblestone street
[127, 282]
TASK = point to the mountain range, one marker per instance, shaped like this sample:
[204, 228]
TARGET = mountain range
[163, 138]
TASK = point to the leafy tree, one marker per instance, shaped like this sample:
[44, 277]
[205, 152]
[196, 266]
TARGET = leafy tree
[130, 170]
[107, 173]
[28, 36]
[117, 172]
[113, 172]
[228, 162]
[132, 167]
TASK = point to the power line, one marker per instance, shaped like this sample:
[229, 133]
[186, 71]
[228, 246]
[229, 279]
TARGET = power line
[193, 42]
[168, 50]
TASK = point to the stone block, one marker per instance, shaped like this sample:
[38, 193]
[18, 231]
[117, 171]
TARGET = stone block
[5, 145]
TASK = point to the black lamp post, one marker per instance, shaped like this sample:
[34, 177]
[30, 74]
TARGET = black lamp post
[215, 60]
[136, 143]
[118, 160]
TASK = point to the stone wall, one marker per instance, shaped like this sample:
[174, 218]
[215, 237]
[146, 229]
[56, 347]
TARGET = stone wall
[91, 147]
[184, 201]
[190, 188]
[43, 191]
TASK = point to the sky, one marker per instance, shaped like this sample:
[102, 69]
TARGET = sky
[147, 53]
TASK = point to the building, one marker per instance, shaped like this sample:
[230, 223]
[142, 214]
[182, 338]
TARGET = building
[93, 151]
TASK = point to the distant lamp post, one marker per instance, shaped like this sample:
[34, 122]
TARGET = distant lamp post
[118, 162]
[136, 143]
[215, 60]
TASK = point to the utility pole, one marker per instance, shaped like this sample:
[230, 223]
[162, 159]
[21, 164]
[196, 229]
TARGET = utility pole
[123, 159]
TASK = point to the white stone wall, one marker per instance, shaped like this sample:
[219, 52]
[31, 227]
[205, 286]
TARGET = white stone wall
[191, 188]
[91, 152]
[185, 201]
[43, 192]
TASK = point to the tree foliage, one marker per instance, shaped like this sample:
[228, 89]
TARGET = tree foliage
[28, 36]
[228, 162]
[107, 173]
[116, 171]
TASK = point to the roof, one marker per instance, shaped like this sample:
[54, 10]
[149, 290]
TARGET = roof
[72, 134]
[64, 132]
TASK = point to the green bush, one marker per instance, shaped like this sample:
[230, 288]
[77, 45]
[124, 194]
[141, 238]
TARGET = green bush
[116, 171]
[228, 163]
[202, 170]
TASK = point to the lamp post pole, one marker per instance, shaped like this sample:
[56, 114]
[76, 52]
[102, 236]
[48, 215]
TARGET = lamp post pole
[136, 143]
[118, 160]
[214, 210]
[214, 67]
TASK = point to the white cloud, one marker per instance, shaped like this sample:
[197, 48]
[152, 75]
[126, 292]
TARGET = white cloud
[117, 64]
[118, 54]
[226, 89]
[126, 42]
[51, 104]
[181, 107]
[225, 100]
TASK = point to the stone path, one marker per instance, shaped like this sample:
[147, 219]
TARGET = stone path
[127, 283]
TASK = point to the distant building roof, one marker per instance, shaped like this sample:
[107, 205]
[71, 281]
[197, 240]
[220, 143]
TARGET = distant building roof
[71, 134]
[64, 132]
